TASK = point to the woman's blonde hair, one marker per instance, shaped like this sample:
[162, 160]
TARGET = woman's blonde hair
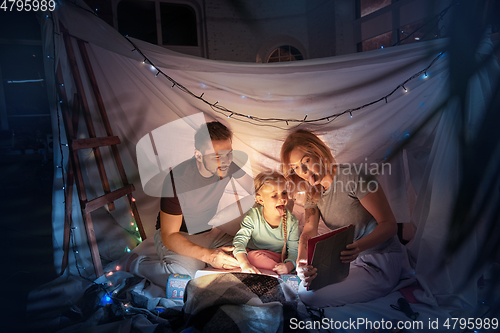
[312, 146]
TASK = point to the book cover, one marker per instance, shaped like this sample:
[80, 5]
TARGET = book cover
[323, 253]
[176, 285]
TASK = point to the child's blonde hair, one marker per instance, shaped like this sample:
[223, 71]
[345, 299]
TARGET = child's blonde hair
[259, 181]
[267, 176]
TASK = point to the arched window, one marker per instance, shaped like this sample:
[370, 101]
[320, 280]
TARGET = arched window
[285, 53]
[178, 24]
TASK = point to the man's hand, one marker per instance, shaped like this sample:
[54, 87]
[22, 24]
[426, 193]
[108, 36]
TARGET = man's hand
[220, 259]
[306, 272]
[249, 268]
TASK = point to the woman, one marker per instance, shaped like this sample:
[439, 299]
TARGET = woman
[343, 195]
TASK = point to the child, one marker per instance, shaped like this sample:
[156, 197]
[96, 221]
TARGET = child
[272, 230]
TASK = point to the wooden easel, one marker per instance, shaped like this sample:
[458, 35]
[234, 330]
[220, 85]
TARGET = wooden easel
[74, 174]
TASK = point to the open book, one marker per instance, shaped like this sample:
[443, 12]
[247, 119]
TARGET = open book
[323, 253]
[211, 270]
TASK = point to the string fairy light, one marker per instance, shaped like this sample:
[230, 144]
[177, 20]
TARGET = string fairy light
[107, 298]
[220, 109]
[439, 17]
[262, 121]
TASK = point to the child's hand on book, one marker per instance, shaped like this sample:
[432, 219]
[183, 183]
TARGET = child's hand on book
[306, 272]
[283, 268]
[248, 268]
[351, 253]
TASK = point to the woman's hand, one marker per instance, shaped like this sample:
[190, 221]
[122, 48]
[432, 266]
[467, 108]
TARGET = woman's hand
[351, 253]
[220, 259]
[306, 272]
[249, 268]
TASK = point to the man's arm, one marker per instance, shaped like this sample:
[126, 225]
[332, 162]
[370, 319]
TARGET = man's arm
[175, 241]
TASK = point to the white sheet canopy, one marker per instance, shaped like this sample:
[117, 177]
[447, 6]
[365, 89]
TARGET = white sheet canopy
[421, 181]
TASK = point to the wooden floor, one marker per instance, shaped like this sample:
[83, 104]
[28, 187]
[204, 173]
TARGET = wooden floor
[26, 246]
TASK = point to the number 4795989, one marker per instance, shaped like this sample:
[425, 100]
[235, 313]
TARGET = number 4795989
[471, 323]
[28, 5]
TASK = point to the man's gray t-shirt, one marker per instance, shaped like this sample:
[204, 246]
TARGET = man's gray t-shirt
[340, 205]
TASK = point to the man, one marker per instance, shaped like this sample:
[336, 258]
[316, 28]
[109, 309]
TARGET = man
[191, 195]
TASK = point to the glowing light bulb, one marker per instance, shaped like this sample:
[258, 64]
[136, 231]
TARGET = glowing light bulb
[106, 300]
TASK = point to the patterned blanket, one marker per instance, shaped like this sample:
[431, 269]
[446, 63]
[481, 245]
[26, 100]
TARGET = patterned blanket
[240, 302]
[223, 302]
